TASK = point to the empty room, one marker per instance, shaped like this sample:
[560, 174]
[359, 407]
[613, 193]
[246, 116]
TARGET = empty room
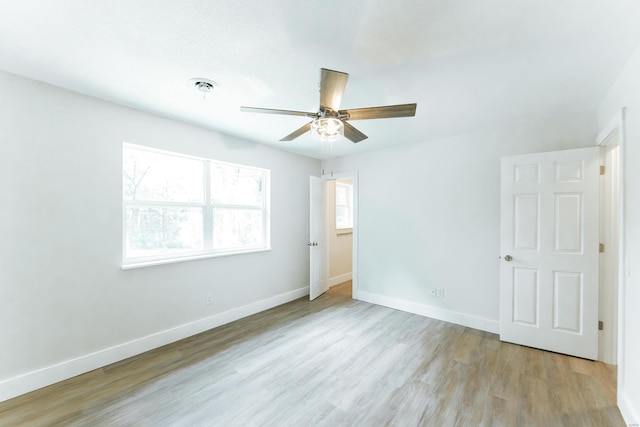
[409, 213]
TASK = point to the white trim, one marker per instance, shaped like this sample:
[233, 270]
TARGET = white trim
[336, 280]
[612, 135]
[34, 380]
[616, 127]
[467, 320]
[623, 265]
[151, 263]
[631, 417]
[206, 207]
[613, 127]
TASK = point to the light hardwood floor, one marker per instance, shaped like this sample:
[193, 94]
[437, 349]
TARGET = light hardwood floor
[331, 362]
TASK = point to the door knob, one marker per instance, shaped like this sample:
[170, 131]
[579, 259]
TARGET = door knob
[508, 257]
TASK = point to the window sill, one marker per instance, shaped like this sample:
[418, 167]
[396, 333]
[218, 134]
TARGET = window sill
[150, 263]
[344, 231]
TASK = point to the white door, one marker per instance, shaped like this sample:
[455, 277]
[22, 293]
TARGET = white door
[318, 283]
[549, 251]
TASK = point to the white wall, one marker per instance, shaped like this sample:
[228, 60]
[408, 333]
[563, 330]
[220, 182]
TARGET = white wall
[429, 217]
[339, 243]
[626, 93]
[65, 304]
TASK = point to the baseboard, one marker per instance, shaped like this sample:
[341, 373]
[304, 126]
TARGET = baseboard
[470, 321]
[34, 380]
[336, 280]
[629, 413]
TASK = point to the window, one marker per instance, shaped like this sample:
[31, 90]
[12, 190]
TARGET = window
[344, 205]
[181, 207]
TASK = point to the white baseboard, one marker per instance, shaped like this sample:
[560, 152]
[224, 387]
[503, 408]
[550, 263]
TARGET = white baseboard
[336, 280]
[629, 413]
[34, 380]
[474, 322]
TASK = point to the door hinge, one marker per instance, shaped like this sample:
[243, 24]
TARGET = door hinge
[600, 325]
[601, 247]
[602, 169]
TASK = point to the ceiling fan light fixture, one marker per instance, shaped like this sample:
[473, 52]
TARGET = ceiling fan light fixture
[327, 129]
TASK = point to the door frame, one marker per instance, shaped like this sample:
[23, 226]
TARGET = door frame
[614, 134]
[354, 252]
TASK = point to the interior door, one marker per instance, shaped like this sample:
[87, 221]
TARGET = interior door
[318, 283]
[549, 246]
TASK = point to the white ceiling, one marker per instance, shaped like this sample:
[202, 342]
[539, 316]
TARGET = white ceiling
[467, 64]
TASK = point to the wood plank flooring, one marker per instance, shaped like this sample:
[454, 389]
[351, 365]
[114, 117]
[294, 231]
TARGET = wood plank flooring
[331, 362]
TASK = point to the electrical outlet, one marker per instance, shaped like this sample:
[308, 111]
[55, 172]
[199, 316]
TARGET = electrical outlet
[440, 293]
[209, 299]
[434, 292]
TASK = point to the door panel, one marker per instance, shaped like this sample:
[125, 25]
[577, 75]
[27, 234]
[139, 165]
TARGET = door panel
[549, 227]
[526, 173]
[568, 229]
[525, 296]
[318, 283]
[567, 301]
[526, 221]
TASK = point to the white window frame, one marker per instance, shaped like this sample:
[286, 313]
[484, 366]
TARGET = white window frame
[207, 207]
[349, 205]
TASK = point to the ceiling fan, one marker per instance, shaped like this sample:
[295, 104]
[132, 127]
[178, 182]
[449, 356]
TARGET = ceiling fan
[329, 123]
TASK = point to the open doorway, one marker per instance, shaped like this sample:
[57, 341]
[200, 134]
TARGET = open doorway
[341, 229]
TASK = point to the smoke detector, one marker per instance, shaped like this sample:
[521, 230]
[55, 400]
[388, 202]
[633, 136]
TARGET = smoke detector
[204, 85]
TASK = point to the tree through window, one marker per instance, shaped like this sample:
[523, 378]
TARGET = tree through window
[177, 206]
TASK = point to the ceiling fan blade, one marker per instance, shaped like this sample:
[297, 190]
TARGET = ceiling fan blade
[298, 132]
[274, 111]
[332, 84]
[388, 111]
[353, 134]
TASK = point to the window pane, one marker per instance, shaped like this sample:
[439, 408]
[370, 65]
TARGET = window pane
[343, 217]
[236, 228]
[155, 231]
[232, 185]
[177, 206]
[344, 201]
[341, 195]
[160, 177]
